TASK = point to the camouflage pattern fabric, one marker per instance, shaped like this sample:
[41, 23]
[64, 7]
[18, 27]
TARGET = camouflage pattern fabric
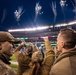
[5, 69]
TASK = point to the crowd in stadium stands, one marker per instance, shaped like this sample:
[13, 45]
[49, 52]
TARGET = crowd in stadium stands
[48, 60]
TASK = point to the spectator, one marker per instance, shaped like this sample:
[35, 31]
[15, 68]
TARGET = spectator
[65, 64]
[38, 65]
[6, 50]
[24, 56]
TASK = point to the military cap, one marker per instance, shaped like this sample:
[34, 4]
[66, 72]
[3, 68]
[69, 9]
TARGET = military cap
[6, 36]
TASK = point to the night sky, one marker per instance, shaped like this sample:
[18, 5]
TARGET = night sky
[8, 7]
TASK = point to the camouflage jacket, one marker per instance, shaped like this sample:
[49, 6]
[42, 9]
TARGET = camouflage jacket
[5, 69]
[23, 60]
[47, 63]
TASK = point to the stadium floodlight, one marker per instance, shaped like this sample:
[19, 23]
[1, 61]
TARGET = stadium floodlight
[16, 30]
[51, 26]
[66, 24]
[71, 23]
[42, 28]
[19, 30]
[30, 29]
[59, 25]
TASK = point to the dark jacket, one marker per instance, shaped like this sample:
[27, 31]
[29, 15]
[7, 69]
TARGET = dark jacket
[65, 63]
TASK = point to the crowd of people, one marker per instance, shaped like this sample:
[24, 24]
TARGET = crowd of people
[31, 61]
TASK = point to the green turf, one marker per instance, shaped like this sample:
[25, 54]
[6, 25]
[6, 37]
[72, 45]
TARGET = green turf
[13, 58]
[14, 66]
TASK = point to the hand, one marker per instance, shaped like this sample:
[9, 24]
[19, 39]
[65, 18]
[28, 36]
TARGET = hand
[46, 38]
[23, 43]
[31, 44]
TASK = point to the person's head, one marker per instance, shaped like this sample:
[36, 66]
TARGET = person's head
[33, 46]
[7, 43]
[36, 61]
[66, 39]
[37, 57]
[29, 50]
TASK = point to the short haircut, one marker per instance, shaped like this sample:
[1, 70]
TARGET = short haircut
[70, 36]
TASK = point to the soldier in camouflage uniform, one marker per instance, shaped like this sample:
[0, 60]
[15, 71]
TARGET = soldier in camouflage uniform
[6, 50]
[40, 65]
[23, 56]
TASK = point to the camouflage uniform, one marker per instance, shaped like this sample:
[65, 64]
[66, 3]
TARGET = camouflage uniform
[47, 62]
[4, 68]
[23, 59]
[4, 55]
